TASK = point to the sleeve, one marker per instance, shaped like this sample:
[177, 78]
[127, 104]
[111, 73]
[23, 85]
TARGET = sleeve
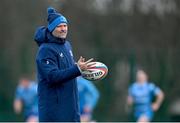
[18, 94]
[47, 65]
[154, 89]
[34, 86]
[130, 93]
[92, 94]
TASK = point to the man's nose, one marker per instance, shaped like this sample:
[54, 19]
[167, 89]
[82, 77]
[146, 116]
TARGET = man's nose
[63, 30]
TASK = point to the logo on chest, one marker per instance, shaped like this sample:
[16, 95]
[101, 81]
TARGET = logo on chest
[61, 55]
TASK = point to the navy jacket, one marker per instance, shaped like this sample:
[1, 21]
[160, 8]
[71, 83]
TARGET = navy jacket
[57, 72]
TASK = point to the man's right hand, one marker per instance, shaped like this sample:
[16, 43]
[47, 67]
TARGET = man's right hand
[84, 65]
[17, 106]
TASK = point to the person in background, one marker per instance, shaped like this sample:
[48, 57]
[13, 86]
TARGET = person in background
[26, 99]
[141, 94]
[88, 98]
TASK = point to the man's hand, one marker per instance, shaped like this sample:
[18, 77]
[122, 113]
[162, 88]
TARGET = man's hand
[157, 103]
[87, 109]
[155, 106]
[129, 100]
[17, 106]
[85, 118]
[84, 65]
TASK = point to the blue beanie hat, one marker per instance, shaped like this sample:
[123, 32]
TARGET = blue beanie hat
[54, 19]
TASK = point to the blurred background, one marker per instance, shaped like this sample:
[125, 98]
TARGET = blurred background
[123, 34]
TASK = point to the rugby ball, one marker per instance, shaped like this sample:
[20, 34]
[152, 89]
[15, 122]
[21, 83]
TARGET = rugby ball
[96, 72]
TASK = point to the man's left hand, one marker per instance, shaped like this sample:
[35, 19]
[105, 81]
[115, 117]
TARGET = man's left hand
[155, 106]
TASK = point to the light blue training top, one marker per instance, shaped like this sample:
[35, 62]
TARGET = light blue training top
[142, 95]
[29, 98]
[88, 93]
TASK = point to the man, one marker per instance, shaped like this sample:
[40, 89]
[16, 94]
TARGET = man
[88, 96]
[26, 96]
[57, 72]
[141, 94]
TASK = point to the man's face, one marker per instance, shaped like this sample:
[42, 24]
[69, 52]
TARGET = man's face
[24, 82]
[141, 76]
[60, 31]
